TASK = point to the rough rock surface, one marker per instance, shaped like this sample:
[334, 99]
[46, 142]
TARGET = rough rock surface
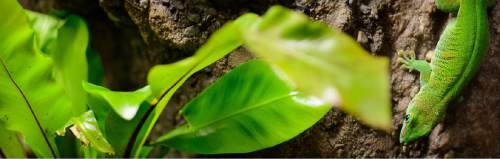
[133, 35]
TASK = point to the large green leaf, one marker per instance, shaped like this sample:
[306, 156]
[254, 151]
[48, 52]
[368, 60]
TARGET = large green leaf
[248, 109]
[324, 62]
[39, 94]
[166, 79]
[27, 84]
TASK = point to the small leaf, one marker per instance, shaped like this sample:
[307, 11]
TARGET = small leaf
[10, 146]
[118, 113]
[86, 129]
[125, 104]
[248, 109]
[46, 28]
[324, 62]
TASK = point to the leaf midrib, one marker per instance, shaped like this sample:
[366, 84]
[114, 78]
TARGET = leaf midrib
[137, 129]
[4, 66]
[249, 108]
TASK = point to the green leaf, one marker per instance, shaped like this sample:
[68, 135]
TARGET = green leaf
[125, 104]
[65, 41]
[119, 131]
[40, 92]
[32, 102]
[10, 145]
[45, 27]
[248, 109]
[69, 55]
[324, 62]
[86, 129]
[118, 113]
[146, 151]
[166, 79]
[89, 152]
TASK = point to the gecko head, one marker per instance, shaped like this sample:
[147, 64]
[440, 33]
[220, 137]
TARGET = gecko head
[415, 124]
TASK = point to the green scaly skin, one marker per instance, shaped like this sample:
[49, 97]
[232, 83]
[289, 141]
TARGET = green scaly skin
[460, 50]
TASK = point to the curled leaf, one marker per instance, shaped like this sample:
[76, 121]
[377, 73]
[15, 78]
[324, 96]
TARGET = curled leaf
[86, 129]
[125, 104]
[325, 63]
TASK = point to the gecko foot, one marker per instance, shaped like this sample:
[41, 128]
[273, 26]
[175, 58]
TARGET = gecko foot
[407, 59]
[429, 55]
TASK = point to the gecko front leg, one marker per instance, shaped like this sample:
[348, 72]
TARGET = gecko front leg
[408, 61]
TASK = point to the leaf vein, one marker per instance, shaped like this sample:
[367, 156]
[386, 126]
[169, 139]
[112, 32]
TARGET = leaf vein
[249, 108]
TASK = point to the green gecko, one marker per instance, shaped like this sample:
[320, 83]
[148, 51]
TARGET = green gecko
[459, 52]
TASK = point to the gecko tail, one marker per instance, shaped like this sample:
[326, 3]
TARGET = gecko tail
[448, 5]
[452, 6]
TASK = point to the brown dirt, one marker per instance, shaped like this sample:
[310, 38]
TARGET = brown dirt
[133, 35]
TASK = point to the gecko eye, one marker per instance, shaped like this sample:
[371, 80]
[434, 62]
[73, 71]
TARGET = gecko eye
[407, 117]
